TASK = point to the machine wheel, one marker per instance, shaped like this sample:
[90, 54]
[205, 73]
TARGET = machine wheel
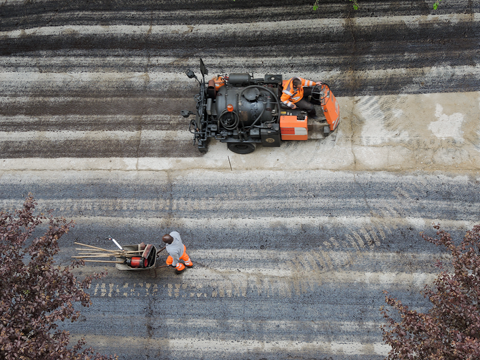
[241, 148]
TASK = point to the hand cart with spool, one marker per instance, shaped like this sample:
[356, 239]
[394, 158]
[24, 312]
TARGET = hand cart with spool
[137, 257]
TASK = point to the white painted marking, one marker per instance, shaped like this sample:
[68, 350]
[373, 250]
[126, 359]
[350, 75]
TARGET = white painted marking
[447, 125]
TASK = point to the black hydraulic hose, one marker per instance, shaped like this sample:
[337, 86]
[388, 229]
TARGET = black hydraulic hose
[236, 121]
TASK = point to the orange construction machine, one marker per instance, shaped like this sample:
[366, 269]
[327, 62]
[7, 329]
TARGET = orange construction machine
[243, 111]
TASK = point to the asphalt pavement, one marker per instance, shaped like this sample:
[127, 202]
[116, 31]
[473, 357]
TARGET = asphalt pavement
[292, 246]
[287, 264]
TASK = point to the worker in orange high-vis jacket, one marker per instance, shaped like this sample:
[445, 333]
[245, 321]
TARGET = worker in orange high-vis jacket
[295, 96]
[177, 251]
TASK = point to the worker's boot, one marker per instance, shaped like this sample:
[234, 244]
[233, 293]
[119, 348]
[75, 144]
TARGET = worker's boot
[189, 263]
[179, 268]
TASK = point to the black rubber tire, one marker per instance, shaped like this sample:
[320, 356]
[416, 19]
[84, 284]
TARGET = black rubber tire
[241, 148]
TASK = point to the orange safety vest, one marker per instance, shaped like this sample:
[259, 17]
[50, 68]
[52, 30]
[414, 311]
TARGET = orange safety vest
[290, 95]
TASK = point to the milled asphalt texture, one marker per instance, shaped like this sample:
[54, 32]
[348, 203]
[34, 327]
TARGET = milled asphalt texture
[289, 263]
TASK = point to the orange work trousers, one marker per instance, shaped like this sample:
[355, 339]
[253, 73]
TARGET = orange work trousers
[184, 257]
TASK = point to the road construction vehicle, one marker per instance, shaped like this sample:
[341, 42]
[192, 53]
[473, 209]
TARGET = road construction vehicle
[244, 111]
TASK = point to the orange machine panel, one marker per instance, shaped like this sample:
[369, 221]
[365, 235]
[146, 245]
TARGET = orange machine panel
[331, 108]
[293, 128]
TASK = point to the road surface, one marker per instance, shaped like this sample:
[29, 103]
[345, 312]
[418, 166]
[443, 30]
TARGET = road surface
[292, 246]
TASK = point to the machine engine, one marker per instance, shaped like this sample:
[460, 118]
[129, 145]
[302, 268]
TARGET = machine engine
[243, 111]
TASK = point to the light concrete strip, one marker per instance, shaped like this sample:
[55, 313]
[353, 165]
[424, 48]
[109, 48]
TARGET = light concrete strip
[431, 132]
[275, 325]
[74, 80]
[20, 82]
[208, 280]
[124, 164]
[78, 164]
[21, 64]
[197, 177]
[342, 159]
[279, 275]
[232, 254]
[48, 120]
[216, 65]
[293, 223]
[258, 257]
[225, 29]
[247, 347]
[276, 282]
[265, 324]
[160, 135]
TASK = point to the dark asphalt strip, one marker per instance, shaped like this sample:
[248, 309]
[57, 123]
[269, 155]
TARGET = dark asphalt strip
[57, 13]
[339, 41]
[86, 103]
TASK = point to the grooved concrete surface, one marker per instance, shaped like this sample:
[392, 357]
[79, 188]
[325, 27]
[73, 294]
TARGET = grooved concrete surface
[287, 264]
[293, 245]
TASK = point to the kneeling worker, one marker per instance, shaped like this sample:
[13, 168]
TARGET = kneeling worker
[177, 251]
[295, 96]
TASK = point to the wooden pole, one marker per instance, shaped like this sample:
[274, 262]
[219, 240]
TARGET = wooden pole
[132, 253]
[101, 255]
[91, 256]
[105, 261]
[95, 247]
